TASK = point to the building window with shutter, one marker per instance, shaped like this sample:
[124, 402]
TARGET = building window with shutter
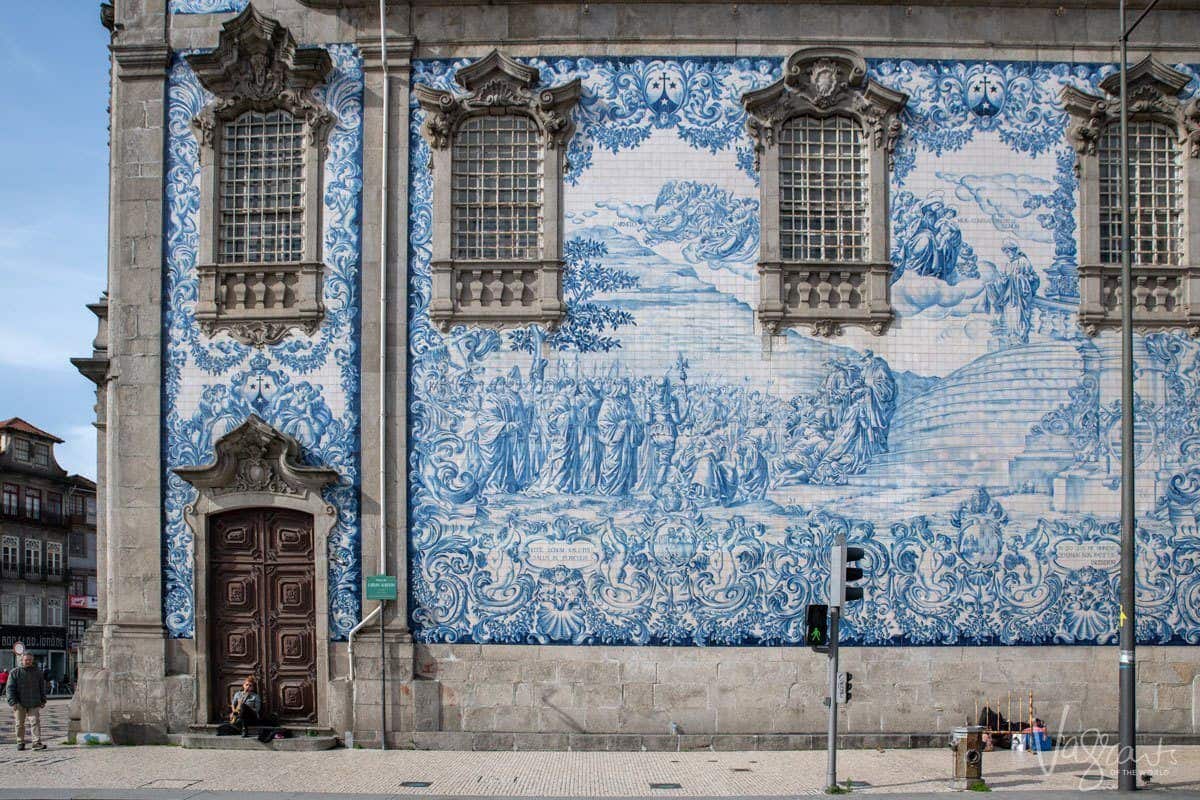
[10, 555]
[33, 610]
[33, 504]
[33, 559]
[54, 559]
[54, 612]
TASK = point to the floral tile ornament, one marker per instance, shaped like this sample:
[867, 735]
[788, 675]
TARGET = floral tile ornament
[306, 386]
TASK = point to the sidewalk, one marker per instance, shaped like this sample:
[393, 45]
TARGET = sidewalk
[554, 774]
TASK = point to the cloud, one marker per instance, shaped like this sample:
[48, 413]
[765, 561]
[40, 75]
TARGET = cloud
[1011, 202]
[78, 453]
[932, 297]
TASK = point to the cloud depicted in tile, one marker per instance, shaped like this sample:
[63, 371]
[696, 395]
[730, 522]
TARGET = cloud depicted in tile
[1015, 204]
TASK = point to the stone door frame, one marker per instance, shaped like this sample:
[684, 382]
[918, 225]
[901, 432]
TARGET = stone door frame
[258, 466]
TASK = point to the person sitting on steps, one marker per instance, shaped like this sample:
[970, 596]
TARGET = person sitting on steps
[246, 708]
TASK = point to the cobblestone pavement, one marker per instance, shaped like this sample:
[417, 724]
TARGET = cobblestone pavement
[557, 774]
[54, 724]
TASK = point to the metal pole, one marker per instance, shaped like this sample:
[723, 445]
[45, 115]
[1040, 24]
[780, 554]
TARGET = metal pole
[382, 682]
[835, 613]
[1127, 757]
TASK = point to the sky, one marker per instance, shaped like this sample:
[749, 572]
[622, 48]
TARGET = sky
[53, 216]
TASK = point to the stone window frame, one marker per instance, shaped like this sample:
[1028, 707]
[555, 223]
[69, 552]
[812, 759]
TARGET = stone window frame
[257, 66]
[1165, 296]
[33, 602]
[823, 82]
[498, 293]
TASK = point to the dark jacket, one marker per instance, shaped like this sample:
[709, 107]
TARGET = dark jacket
[26, 687]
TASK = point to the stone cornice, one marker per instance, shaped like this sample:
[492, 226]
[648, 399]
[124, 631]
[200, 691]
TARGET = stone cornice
[141, 60]
[1165, 5]
[400, 51]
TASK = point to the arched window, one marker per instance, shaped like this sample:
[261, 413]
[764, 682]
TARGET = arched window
[1164, 170]
[497, 154]
[1155, 183]
[823, 191]
[262, 189]
[824, 136]
[262, 147]
[497, 197]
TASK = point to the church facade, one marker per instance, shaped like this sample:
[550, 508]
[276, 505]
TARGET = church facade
[595, 324]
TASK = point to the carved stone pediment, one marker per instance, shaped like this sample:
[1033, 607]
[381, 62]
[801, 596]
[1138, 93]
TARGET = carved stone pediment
[825, 81]
[258, 66]
[256, 458]
[1154, 90]
[496, 84]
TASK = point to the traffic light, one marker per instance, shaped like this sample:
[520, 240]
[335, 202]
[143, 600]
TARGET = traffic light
[816, 630]
[844, 685]
[841, 573]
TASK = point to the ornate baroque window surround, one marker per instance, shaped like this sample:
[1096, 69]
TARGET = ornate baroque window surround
[1164, 295]
[257, 67]
[823, 82]
[495, 292]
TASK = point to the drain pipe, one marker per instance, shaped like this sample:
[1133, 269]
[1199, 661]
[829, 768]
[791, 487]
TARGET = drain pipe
[384, 241]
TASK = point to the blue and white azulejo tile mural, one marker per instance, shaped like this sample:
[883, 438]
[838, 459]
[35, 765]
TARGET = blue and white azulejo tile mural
[206, 6]
[306, 386]
[651, 473]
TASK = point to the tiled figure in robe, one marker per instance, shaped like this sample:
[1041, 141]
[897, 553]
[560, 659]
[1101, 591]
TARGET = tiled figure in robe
[933, 243]
[620, 432]
[1011, 294]
[562, 422]
[664, 419]
[503, 438]
[590, 451]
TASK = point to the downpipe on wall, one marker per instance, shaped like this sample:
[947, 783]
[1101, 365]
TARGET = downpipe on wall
[384, 199]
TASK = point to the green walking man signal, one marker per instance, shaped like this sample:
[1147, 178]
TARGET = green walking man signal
[816, 629]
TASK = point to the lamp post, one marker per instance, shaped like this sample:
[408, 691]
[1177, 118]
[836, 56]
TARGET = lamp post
[1127, 722]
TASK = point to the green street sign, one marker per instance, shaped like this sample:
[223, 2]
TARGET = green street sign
[381, 587]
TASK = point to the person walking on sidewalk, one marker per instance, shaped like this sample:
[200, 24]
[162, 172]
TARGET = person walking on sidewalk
[26, 693]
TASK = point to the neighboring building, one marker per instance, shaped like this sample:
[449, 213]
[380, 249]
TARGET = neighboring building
[39, 502]
[625, 314]
[82, 595]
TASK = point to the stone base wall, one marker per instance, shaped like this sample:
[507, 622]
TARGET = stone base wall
[484, 697]
[659, 691]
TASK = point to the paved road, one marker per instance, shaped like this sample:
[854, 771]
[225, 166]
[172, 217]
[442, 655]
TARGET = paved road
[144, 794]
[54, 725]
[167, 773]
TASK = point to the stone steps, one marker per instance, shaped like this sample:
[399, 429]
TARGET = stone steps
[966, 429]
[204, 737]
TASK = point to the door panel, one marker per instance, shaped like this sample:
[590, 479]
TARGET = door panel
[262, 612]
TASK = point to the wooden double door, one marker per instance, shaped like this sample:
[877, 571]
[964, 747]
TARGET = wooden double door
[262, 611]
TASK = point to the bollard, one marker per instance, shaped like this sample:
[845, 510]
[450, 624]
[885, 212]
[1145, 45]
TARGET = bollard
[967, 745]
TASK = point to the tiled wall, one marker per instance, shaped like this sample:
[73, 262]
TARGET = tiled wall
[655, 473]
[306, 386]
